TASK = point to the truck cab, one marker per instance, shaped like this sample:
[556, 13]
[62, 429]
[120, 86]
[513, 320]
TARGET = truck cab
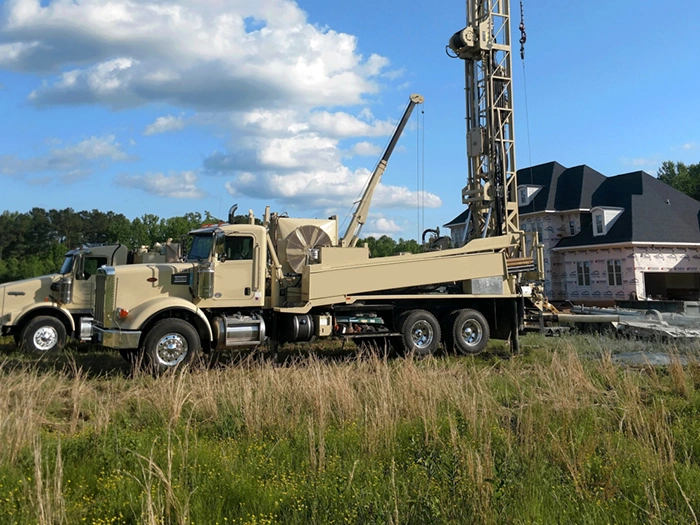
[165, 312]
[41, 312]
[236, 255]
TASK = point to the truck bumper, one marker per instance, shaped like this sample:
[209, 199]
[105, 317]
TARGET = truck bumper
[117, 338]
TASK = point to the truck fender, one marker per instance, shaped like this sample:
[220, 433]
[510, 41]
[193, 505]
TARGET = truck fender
[140, 316]
[46, 309]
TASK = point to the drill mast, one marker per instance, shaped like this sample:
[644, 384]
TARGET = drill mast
[485, 46]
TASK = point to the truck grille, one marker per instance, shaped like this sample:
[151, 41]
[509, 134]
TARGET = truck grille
[104, 296]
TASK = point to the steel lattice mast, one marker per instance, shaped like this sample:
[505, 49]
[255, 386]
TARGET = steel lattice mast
[485, 46]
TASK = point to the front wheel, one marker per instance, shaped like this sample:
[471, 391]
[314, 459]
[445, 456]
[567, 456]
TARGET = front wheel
[171, 343]
[43, 334]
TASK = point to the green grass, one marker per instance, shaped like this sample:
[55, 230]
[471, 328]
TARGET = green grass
[557, 434]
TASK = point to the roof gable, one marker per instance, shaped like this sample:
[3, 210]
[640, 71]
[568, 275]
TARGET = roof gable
[563, 188]
[653, 212]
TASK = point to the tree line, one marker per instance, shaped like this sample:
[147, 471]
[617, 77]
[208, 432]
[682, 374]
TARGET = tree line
[35, 243]
[683, 177]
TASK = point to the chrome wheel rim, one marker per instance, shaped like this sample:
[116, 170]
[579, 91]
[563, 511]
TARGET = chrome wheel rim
[45, 338]
[171, 349]
[471, 332]
[422, 334]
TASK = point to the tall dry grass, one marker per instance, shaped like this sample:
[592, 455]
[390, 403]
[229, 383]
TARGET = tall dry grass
[559, 405]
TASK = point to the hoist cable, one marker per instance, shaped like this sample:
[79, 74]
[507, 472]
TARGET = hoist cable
[523, 39]
[422, 113]
[418, 195]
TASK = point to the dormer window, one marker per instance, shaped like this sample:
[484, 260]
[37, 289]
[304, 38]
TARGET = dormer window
[526, 193]
[604, 218]
[599, 229]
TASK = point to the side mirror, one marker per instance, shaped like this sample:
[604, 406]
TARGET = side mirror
[222, 257]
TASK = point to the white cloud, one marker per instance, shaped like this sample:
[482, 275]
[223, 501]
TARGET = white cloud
[332, 189]
[341, 124]
[383, 226]
[182, 185]
[67, 161]
[366, 149]
[642, 163]
[93, 148]
[200, 54]
[165, 124]
[15, 52]
[287, 95]
[303, 169]
[689, 146]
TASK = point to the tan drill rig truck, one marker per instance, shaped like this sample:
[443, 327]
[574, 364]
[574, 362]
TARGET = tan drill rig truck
[42, 312]
[291, 280]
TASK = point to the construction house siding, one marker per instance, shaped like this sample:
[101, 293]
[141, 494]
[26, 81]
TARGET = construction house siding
[608, 238]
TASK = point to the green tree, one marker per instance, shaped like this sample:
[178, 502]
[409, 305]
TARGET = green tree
[382, 247]
[408, 246]
[118, 229]
[175, 227]
[68, 227]
[683, 177]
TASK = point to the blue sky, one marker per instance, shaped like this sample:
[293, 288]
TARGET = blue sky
[171, 106]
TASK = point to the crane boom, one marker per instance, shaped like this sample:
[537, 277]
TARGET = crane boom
[485, 46]
[359, 216]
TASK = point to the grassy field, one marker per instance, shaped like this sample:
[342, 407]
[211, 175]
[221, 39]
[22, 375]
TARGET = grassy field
[557, 434]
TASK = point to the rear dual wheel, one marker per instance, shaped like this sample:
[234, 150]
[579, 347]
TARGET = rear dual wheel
[420, 333]
[467, 332]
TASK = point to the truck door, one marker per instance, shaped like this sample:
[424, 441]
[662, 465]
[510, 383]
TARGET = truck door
[84, 282]
[235, 279]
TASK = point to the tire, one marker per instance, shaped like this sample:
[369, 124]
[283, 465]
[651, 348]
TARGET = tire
[420, 332]
[171, 344]
[468, 332]
[43, 334]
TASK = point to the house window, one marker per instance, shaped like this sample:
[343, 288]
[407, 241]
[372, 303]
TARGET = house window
[583, 270]
[599, 224]
[572, 227]
[523, 196]
[615, 273]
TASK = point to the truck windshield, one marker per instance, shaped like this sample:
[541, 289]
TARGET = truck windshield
[67, 265]
[201, 247]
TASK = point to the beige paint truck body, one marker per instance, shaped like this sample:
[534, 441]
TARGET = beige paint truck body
[42, 312]
[286, 290]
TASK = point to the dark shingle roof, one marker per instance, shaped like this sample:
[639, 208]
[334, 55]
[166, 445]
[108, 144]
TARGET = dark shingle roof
[460, 219]
[653, 212]
[563, 188]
